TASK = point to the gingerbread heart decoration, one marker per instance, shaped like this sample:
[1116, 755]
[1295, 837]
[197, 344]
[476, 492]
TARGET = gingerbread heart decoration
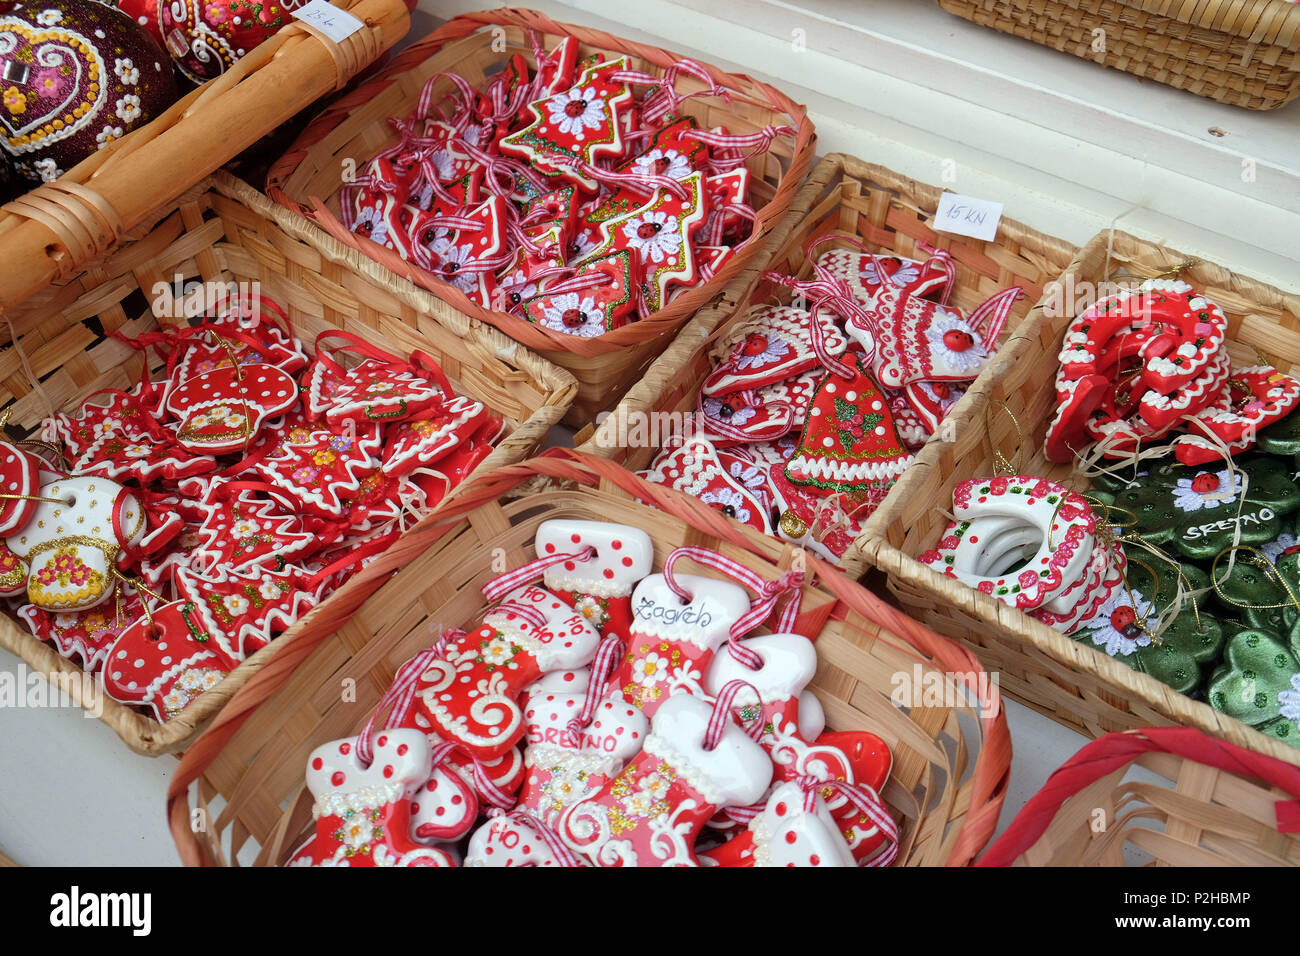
[917, 339]
[20, 481]
[222, 410]
[777, 346]
[849, 442]
[866, 273]
[693, 468]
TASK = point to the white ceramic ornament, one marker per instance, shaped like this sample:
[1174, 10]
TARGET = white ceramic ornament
[673, 642]
[652, 812]
[362, 813]
[70, 544]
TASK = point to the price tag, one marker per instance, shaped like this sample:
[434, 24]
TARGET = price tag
[967, 216]
[336, 24]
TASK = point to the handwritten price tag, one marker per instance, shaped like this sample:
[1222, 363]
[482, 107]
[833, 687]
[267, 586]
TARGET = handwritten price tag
[336, 24]
[967, 216]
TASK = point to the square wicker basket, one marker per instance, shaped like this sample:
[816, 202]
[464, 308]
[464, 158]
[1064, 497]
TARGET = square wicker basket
[1069, 681]
[1239, 52]
[308, 177]
[59, 350]
[244, 777]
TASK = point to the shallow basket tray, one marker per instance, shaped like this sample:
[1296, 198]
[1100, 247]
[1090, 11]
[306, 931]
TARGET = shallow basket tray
[1239, 52]
[224, 231]
[1068, 681]
[238, 795]
[476, 45]
[890, 213]
[58, 227]
[1200, 802]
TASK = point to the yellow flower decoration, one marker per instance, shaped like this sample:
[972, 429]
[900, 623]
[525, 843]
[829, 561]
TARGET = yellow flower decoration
[15, 101]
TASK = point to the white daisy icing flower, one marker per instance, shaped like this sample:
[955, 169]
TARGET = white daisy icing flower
[577, 111]
[574, 315]
[1114, 626]
[1209, 489]
[663, 162]
[128, 108]
[729, 502]
[655, 235]
[955, 343]
[126, 71]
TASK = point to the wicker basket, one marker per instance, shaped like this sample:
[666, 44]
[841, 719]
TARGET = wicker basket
[947, 784]
[890, 213]
[308, 178]
[224, 230]
[56, 228]
[1210, 804]
[1064, 679]
[1243, 52]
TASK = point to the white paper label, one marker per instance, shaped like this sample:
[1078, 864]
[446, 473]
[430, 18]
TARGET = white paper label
[336, 24]
[967, 216]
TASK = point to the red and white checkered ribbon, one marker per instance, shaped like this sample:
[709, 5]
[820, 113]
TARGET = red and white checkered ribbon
[940, 259]
[443, 751]
[638, 182]
[868, 803]
[769, 592]
[395, 705]
[465, 109]
[602, 669]
[665, 99]
[347, 204]
[442, 269]
[514, 609]
[500, 586]
[588, 280]
[501, 172]
[989, 318]
[825, 292]
[501, 298]
[742, 146]
[722, 714]
[558, 848]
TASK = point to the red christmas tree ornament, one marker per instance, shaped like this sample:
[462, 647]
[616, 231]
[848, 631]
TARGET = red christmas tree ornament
[583, 123]
[850, 442]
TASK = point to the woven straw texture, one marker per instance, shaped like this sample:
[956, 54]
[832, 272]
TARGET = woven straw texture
[58, 227]
[1239, 52]
[1202, 802]
[308, 177]
[845, 196]
[222, 231]
[950, 763]
[1064, 679]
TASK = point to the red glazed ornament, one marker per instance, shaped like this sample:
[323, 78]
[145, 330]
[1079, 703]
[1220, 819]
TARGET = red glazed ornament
[207, 37]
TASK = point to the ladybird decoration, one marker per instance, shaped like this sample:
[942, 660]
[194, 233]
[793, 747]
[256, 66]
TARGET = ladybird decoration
[75, 76]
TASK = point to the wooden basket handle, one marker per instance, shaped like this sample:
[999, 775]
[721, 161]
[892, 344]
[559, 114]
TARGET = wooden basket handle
[1107, 754]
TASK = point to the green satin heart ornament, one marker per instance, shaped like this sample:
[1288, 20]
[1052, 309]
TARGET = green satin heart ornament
[1187, 645]
[1257, 592]
[1259, 684]
[1196, 511]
